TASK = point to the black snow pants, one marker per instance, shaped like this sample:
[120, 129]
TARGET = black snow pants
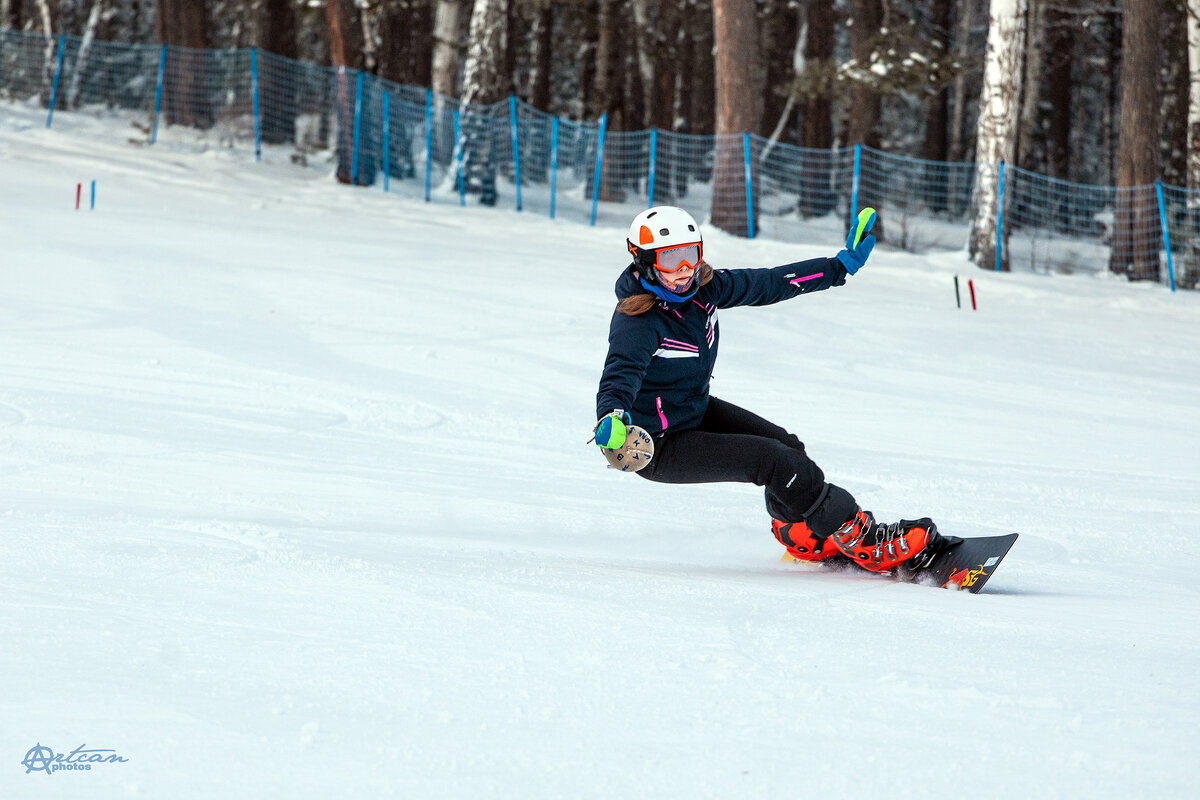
[732, 444]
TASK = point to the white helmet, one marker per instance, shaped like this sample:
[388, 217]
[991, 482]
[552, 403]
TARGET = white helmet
[663, 228]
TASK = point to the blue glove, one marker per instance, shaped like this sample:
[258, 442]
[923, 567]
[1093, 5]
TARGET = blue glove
[858, 244]
[612, 429]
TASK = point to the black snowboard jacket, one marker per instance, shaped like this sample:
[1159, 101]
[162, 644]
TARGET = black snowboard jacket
[660, 363]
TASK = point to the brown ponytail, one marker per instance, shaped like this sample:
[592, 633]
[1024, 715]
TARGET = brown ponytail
[641, 303]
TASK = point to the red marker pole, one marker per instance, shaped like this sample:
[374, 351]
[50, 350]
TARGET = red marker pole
[971, 286]
[78, 194]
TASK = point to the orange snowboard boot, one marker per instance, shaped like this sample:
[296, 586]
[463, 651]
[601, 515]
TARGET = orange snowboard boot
[876, 546]
[801, 543]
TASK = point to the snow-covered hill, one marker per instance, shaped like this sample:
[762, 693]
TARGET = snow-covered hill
[295, 502]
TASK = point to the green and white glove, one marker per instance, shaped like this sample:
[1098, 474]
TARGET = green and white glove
[625, 446]
[859, 242]
[612, 429]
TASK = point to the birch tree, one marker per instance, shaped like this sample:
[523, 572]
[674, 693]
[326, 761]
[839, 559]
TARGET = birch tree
[996, 133]
[447, 47]
[99, 7]
[483, 83]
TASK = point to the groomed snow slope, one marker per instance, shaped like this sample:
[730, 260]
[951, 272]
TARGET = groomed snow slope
[295, 502]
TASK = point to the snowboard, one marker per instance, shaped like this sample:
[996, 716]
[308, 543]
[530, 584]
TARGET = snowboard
[966, 564]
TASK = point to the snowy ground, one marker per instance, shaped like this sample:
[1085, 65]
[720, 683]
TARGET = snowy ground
[295, 502]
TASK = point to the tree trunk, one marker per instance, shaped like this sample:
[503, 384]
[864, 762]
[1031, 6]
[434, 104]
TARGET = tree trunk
[276, 87]
[370, 19]
[606, 97]
[1111, 68]
[447, 47]
[1135, 249]
[701, 73]
[937, 112]
[1190, 276]
[999, 106]
[736, 42]
[646, 46]
[1060, 58]
[483, 85]
[10, 15]
[1193, 34]
[184, 26]
[85, 49]
[780, 29]
[657, 27]
[344, 52]
[483, 78]
[958, 120]
[49, 53]
[543, 59]
[1035, 43]
[865, 103]
[406, 42]
[816, 130]
[1174, 67]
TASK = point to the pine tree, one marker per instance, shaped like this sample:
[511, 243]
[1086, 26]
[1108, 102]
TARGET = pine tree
[1134, 246]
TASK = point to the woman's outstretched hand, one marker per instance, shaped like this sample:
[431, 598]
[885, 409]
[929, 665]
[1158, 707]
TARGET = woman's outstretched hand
[859, 242]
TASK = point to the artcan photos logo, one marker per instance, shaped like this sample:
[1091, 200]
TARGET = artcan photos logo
[43, 759]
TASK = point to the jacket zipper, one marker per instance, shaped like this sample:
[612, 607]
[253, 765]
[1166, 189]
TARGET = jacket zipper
[661, 416]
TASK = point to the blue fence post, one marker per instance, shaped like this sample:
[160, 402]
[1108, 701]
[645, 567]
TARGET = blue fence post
[749, 186]
[1162, 215]
[512, 123]
[854, 183]
[254, 92]
[357, 129]
[458, 158]
[1000, 220]
[553, 165]
[599, 165]
[428, 142]
[650, 177]
[387, 155]
[62, 42]
[158, 91]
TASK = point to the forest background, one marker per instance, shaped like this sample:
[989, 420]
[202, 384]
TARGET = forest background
[1101, 92]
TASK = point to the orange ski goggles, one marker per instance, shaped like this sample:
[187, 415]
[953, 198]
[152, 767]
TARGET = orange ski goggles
[673, 259]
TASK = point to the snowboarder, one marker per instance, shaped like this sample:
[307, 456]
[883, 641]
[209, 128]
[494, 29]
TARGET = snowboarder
[656, 415]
